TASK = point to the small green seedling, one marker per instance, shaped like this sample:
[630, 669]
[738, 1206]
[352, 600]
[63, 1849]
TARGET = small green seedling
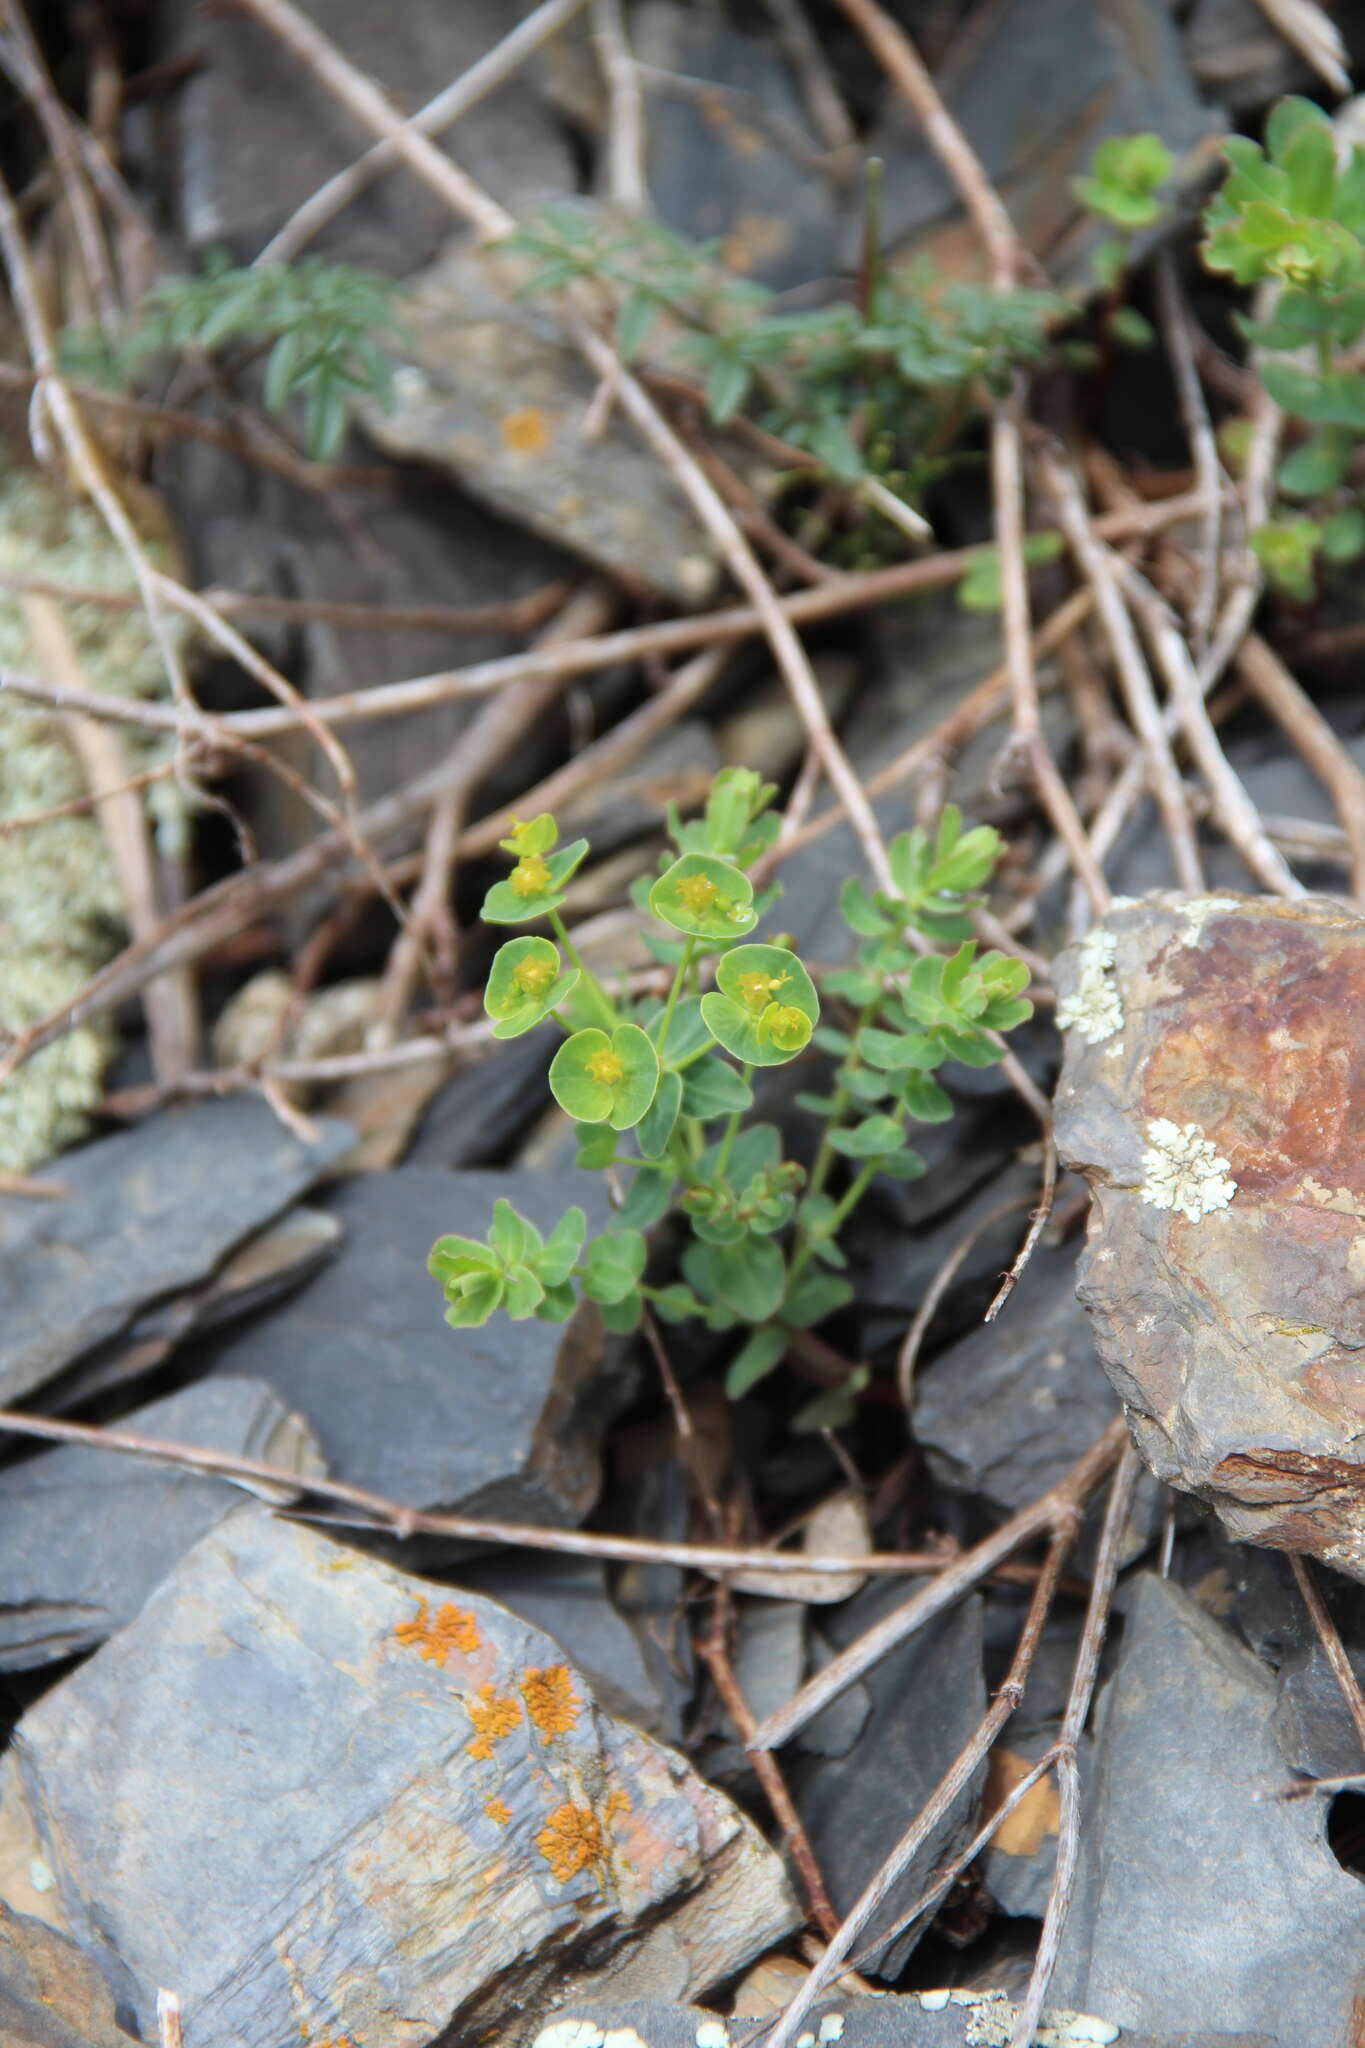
[1128, 175]
[321, 321]
[1291, 214]
[661, 1087]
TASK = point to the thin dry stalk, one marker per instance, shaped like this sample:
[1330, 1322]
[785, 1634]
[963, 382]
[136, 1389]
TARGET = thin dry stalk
[1194, 412]
[1047, 1516]
[626, 184]
[713, 1649]
[1316, 37]
[801, 47]
[1135, 682]
[934, 1293]
[169, 1002]
[22, 58]
[1234, 812]
[1333, 1648]
[1258, 485]
[954, 1783]
[1007, 478]
[278, 1484]
[1037, 1224]
[1108, 1557]
[1313, 740]
[491, 70]
[905, 68]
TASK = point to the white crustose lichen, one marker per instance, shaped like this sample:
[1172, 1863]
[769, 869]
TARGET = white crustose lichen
[1181, 1170]
[1093, 1008]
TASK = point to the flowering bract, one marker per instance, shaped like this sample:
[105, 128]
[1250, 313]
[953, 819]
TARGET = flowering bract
[535, 886]
[525, 983]
[706, 898]
[601, 1080]
[765, 1008]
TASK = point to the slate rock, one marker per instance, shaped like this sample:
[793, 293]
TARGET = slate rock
[146, 1213]
[1098, 67]
[52, 1995]
[1008, 1409]
[1202, 1901]
[503, 1421]
[244, 83]
[926, 1698]
[85, 1535]
[1215, 1059]
[489, 389]
[1313, 1724]
[477, 1117]
[312, 1791]
[728, 152]
[568, 1598]
[925, 2019]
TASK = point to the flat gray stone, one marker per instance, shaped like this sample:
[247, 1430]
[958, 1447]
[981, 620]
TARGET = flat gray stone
[1098, 68]
[729, 156]
[246, 83]
[311, 1791]
[1007, 1410]
[52, 1995]
[925, 2019]
[147, 1213]
[502, 1421]
[489, 389]
[86, 1535]
[925, 1698]
[1202, 1901]
[1313, 1724]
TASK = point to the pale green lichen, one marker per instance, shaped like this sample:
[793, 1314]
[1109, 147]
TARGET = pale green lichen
[1182, 1170]
[60, 907]
[1093, 1008]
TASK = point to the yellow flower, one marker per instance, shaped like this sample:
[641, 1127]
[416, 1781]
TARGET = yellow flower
[786, 1026]
[699, 893]
[606, 1066]
[757, 988]
[530, 876]
[534, 975]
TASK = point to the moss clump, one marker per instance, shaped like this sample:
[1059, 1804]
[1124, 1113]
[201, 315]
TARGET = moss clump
[60, 906]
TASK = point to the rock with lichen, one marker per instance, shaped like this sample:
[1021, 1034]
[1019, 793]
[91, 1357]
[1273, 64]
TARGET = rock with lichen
[1213, 1095]
[60, 907]
[327, 1801]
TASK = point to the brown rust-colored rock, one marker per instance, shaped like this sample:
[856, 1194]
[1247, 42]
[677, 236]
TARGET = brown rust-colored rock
[1213, 1095]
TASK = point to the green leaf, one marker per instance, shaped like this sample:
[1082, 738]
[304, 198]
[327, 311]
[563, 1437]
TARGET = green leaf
[814, 1297]
[1343, 535]
[750, 1276]
[639, 310]
[525, 982]
[1132, 329]
[655, 1127]
[473, 1300]
[453, 1257]
[1334, 400]
[559, 1256]
[596, 1146]
[765, 1008]
[687, 1033]
[754, 1360]
[513, 1237]
[924, 1100]
[598, 1079]
[1286, 549]
[613, 1264]
[624, 1316]
[535, 886]
[727, 386]
[558, 1305]
[677, 1304]
[834, 1409]
[706, 898]
[712, 1088]
[893, 1051]
[1317, 465]
[648, 1200]
[870, 1139]
[524, 1293]
[861, 914]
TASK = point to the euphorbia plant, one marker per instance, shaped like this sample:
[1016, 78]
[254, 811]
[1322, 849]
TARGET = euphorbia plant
[661, 1087]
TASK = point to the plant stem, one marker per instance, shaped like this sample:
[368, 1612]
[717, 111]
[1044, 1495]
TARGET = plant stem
[824, 1158]
[727, 1143]
[666, 1023]
[588, 982]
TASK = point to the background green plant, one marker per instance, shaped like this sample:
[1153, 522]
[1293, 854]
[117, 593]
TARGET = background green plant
[662, 1087]
[322, 323]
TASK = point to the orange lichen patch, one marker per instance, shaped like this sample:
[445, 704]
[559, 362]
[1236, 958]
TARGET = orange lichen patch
[551, 1701]
[1038, 1814]
[435, 1636]
[526, 431]
[498, 1811]
[495, 1715]
[617, 1803]
[570, 1840]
